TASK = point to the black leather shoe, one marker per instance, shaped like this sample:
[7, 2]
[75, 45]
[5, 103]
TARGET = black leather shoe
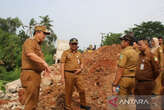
[85, 107]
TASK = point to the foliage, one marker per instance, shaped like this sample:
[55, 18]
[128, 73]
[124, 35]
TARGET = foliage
[48, 51]
[147, 30]
[2, 85]
[10, 24]
[112, 38]
[22, 36]
[12, 75]
[45, 20]
[10, 50]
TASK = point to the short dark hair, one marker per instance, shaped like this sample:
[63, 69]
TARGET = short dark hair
[36, 32]
[128, 38]
[160, 37]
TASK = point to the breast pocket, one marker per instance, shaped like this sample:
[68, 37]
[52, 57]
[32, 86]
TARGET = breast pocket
[69, 57]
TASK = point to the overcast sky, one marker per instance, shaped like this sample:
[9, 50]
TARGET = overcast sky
[86, 19]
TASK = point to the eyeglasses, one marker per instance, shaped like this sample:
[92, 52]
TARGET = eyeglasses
[73, 43]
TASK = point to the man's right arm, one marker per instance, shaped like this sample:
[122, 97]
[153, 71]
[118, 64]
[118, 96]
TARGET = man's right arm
[120, 70]
[62, 61]
[39, 60]
[29, 47]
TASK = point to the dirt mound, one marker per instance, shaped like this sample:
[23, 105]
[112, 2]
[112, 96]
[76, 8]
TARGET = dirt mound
[103, 58]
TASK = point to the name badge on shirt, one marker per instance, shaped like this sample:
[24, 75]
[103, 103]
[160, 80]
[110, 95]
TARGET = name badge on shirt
[141, 66]
[155, 58]
[78, 60]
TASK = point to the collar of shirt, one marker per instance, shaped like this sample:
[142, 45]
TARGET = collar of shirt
[72, 51]
[128, 47]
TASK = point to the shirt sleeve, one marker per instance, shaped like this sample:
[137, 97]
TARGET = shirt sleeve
[81, 61]
[155, 66]
[29, 47]
[122, 60]
[63, 57]
[161, 57]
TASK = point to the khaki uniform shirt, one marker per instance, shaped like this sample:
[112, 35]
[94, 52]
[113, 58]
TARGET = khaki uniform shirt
[31, 46]
[148, 68]
[159, 55]
[137, 50]
[72, 61]
[128, 61]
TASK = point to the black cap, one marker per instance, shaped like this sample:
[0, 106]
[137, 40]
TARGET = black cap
[73, 40]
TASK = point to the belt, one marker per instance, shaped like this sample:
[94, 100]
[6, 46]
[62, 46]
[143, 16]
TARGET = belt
[143, 80]
[27, 69]
[73, 71]
[128, 76]
[31, 70]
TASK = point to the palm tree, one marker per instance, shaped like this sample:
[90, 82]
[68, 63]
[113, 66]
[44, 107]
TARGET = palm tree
[31, 25]
[46, 21]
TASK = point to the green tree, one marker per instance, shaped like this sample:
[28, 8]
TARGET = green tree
[10, 50]
[32, 24]
[45, 20]
[147, 30]
[22, 36]
[9, 42]
[111, 38]
[10, 24]
[48, 51]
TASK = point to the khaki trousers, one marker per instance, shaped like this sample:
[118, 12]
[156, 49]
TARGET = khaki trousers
[71, 81]
[31, 84]
[127, 86]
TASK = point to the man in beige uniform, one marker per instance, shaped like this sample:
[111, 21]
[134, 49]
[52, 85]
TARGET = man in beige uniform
[71, 67]
[125, 76]
[32, 65]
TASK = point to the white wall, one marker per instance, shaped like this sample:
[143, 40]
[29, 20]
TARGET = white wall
[62, 45]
